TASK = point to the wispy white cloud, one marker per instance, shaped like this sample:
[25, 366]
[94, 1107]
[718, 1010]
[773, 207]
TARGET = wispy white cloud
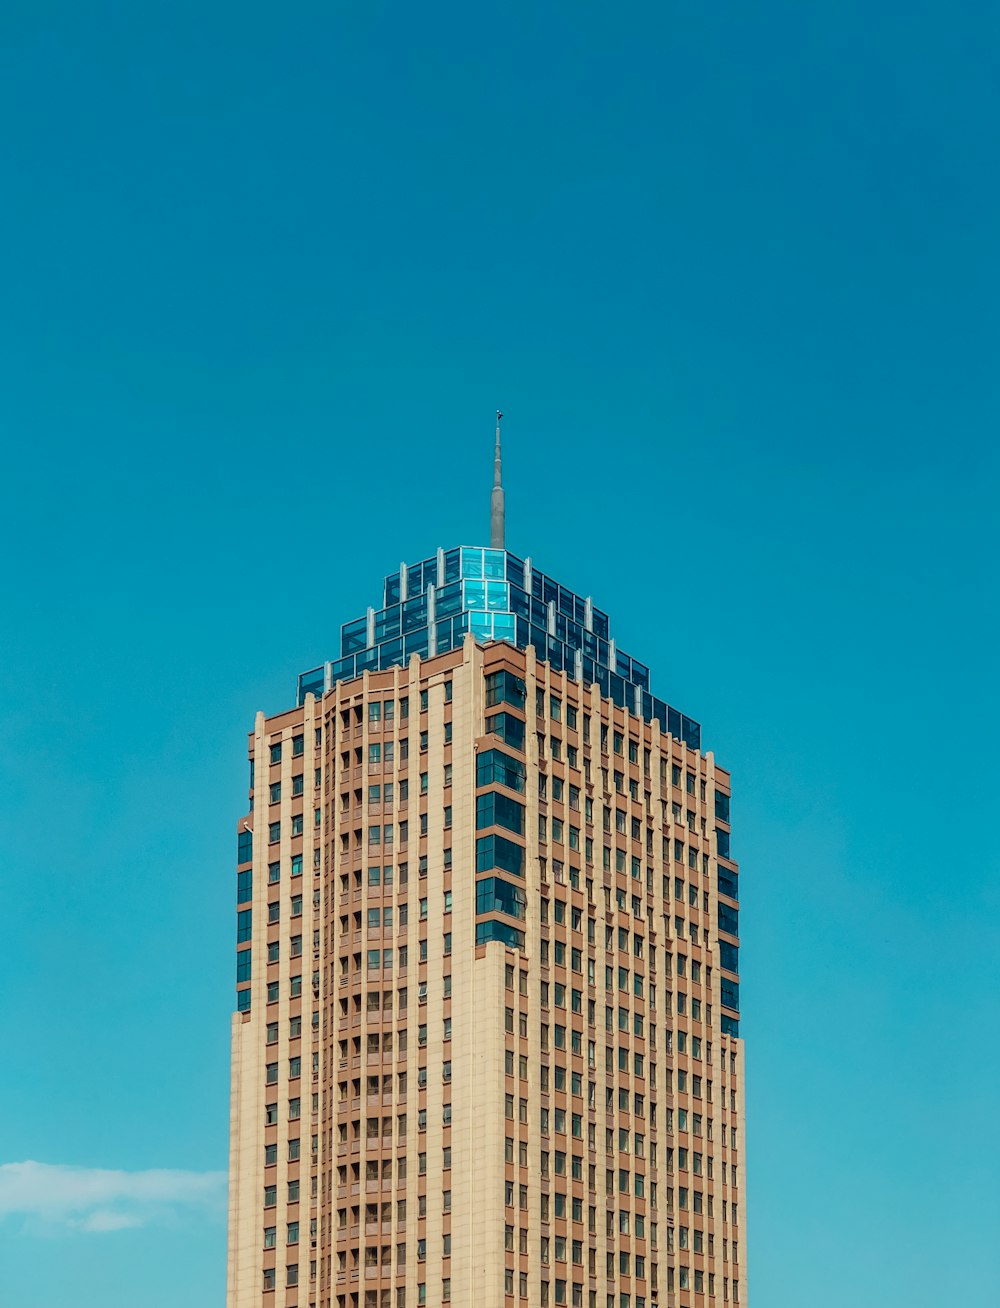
[100, 1200]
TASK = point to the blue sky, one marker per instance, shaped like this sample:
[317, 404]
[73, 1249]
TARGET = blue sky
[266, 273]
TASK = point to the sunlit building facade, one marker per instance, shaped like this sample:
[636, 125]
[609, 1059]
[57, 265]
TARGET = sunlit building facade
[486, 1048]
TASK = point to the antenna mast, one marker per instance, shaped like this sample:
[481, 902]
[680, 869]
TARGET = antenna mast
[497, 511]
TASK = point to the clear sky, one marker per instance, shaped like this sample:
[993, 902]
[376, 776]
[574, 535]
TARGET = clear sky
[732, 271]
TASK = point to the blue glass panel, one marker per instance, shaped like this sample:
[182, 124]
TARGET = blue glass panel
[729, 956]
[509, 728]
[498, 851]
[600, 624]
[550, 591]
[354, 636]
[448, 600]
[640, 675]
[472, 563]
[623, 665]
[617, 689]
[366, 659]
[452, 565]
[523, 633]
[459, 626]
[414, 613]
[574, 635]
[519, 602]
[590, 644]
[493, 563]
[475, 594]
[603, 652]
[504, 688]
[244, 919]
[539, 614]
[493, 930]
[537, 583]
[497, 597]
[674, 723]
[415, 644]
[481, 625]
[414, 581]
[730, 993]
[497, 810]
[387, 623]
[495, 767]
[588, 669]
[343, 669]
[560, 627]
[243, 965]
[312, 683]
[692, 734]
[442, 634]
[503, 627]
[565, 603]
[554, 654]
[515, 570]
[601, 678]
[244, 887]
[390, 654]
[579, 610]
[243, 1001]
[244, 847]
[723, 838]
[729, 919]
[729, 882]
[391, 590]
[730, 1026]
[494, 895]
[722, 806]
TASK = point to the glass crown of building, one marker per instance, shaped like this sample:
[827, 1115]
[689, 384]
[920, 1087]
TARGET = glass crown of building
[429, 607]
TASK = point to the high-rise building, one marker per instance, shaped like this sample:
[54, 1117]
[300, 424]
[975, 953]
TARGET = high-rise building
[486, 1049]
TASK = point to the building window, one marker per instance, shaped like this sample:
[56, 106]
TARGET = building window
[495, 809]
[495, 767]
[498, 852]
[509, 729]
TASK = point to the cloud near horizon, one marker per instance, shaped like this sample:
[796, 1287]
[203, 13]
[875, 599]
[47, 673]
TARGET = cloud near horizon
[99, 1200]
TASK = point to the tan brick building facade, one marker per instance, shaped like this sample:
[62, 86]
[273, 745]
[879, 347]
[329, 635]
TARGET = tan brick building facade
[425, 1113]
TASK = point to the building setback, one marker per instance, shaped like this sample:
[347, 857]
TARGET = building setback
[487, 1047]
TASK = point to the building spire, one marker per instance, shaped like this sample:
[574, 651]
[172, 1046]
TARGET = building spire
[496, 499]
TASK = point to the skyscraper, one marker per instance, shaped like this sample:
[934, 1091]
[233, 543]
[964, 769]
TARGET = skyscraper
[486, 1048]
